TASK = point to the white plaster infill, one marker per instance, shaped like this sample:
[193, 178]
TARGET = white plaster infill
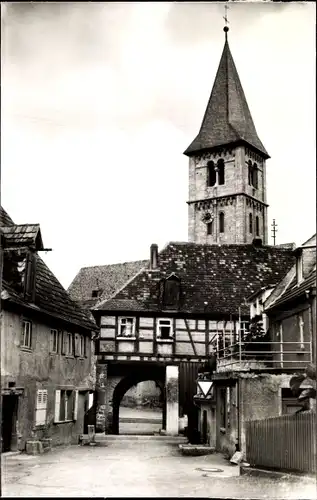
[125, 338]
[166, 341]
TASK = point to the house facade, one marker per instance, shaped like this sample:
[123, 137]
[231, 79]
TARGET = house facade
[281, 342]
[170, 318]
[47, 355]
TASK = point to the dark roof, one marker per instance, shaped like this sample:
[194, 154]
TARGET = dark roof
[5, 219]
[227, 118]
[50, 296]
[103, 279]
[295, 291]
[23, 235]
[215, 279]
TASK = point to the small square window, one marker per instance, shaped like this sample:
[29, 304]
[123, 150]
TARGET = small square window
[164, 328]
[126, 327]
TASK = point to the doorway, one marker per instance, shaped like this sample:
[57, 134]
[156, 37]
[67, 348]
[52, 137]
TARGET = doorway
[8, 424]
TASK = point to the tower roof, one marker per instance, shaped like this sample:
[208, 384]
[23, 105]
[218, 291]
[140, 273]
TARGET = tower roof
[227, 117]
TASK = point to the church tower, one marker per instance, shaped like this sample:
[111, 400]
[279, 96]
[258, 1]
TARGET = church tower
[227, 170]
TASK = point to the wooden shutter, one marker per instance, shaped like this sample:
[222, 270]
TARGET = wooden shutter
[87, 346]
[57, 405]
[77, 344]
[75, 408]
[41, 407]
[64, 342]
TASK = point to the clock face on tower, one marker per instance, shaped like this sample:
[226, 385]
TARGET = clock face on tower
[207, 217]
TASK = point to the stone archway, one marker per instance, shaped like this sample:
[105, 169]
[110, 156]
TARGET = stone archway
[120, 390]
[114, 379]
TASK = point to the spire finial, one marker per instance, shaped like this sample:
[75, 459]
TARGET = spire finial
[226, 28]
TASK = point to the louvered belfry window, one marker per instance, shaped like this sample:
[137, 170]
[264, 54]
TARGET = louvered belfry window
[41, 407]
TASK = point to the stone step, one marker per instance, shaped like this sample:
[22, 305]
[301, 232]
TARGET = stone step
[195, 450]
[129, 420]
[104, 439]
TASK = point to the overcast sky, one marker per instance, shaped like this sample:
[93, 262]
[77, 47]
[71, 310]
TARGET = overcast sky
[99, 101]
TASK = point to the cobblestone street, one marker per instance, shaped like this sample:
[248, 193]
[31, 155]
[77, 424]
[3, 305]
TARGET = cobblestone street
[130, 468]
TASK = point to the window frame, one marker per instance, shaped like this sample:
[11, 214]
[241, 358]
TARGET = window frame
[211, 174]
[62, 408]
[121, 325]
[70, 344]
[52, 351]
[23, 344]
[40, 407]
[221, 172]
[159, 325]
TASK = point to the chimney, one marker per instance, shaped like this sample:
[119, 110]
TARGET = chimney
[153, 256]
[30, 274]
[257, 242]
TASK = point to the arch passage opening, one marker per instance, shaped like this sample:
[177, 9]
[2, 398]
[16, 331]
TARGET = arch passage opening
[139, 407]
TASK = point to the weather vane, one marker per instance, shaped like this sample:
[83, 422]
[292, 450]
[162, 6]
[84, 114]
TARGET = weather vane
[226, 14]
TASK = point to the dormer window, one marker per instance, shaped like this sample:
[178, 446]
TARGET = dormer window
[171, 292]
[211, 174]
[96, 293]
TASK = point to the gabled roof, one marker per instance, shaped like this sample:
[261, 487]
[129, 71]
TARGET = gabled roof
[5, 219]
[50, 296]
[214, 279]
[105, 280]
[294, 291]
[23, 235]
[227, 118]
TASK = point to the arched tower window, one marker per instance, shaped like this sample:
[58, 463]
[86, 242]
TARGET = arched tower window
[255, 176]
[171, 292]
[221, 171]
[250, 172]
[211, 174]
[257, 226]
[221, 222]
[250, 224]
[209, 227]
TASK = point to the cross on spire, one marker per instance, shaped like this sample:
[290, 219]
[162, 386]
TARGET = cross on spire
[226, 14]
[226, 28]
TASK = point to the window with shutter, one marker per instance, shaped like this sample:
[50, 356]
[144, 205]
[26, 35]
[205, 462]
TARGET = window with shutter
[77, 345]
[75, 405]
[57, 406]
[64, 342]
[87, 346]
[41, 407]
[54, 341]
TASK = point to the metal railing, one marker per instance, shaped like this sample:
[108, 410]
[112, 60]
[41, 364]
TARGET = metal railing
[265, 354]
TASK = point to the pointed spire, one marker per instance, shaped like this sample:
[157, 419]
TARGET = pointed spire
[227, 118]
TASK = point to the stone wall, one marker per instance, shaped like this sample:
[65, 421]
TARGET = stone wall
[236, 208]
